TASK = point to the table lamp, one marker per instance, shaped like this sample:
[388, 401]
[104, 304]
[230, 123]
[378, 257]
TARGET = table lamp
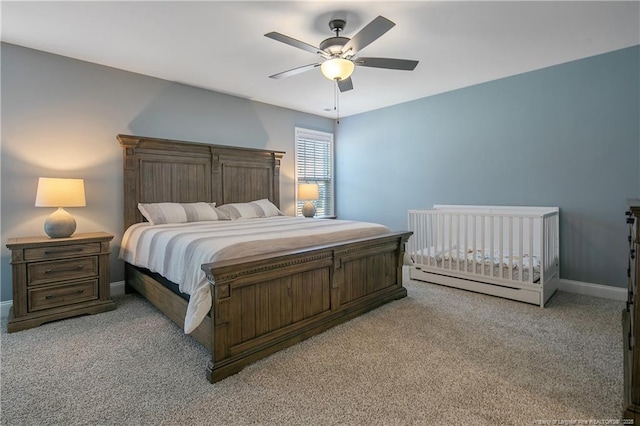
[309, 192]
[53, 192]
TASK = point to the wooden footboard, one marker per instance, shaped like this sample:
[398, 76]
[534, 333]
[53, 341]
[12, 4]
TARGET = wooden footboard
[265, 303]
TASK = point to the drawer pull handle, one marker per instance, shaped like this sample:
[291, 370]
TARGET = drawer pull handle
[75, 268]
[69, 250]
[52, 296]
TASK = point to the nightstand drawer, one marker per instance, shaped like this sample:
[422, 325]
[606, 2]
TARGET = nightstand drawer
[48, 272]
[75, 250]
[62, 295]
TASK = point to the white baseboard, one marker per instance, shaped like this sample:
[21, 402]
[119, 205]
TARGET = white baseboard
[591, 289]
[116, 289]
[4, 308]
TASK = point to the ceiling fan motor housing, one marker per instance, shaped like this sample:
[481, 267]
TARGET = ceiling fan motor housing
[337, 25]
[333, 45]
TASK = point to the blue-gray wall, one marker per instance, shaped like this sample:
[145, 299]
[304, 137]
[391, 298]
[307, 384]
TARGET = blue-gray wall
[60, 118]
[566, 136]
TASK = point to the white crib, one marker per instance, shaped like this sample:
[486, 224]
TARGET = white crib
[510, 252]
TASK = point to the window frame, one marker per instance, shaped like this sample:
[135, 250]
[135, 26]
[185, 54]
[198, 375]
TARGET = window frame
[329, 208]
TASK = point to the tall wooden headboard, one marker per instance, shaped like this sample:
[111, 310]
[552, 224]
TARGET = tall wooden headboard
[163, 170]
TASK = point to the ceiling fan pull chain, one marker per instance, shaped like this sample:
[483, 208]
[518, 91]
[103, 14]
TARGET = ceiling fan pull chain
[336, 101]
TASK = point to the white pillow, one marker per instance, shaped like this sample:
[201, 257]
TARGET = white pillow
[251, 210]
[160, 213]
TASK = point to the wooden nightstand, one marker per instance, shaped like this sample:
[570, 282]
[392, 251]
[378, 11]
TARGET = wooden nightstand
[55, 278]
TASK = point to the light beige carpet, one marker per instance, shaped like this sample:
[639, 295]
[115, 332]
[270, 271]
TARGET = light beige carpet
[440, 356]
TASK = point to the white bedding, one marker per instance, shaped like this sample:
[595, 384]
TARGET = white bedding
[505, 260]
[505, 265]
[176, 251]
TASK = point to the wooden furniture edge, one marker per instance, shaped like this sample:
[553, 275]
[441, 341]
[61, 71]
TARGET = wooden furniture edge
[96, 307]
[35, 241]
[264, 258]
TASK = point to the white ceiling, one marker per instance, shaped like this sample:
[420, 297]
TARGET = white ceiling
[221, 45]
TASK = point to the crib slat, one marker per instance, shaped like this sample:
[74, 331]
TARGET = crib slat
[482, 243]
[466, 242]
[544, 255]
[415, 237]
[425, 238]
[456, 228]
[501, 254]
[450, 218]
[432, 236]
[441, 237]
[434, 223]
[520, 248]
[425, 235]
[420, 240]
[531, 254]
[475, 242]
[510, 247]
[492, 253]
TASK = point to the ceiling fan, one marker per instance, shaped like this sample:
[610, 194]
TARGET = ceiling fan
[340, 54]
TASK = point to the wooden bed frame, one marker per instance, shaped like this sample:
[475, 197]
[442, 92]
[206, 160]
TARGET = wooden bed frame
[261, 304]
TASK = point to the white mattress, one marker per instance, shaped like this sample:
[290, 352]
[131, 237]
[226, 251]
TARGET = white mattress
[176, 251]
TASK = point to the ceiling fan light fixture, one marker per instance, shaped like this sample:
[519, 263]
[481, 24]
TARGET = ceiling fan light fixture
[337, 68]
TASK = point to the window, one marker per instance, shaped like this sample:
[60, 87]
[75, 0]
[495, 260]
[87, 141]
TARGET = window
[314, 164]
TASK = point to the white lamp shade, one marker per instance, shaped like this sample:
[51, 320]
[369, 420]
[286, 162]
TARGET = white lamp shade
[308, 191]
[54, 192]
[337, 68]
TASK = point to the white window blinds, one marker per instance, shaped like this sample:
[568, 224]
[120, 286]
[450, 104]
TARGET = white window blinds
[314, 164]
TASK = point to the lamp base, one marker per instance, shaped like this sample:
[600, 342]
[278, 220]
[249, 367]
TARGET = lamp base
[308, 210]
[60, 224]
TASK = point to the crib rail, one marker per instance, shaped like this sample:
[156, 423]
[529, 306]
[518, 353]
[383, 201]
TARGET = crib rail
[504, 245]
[551, 245]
